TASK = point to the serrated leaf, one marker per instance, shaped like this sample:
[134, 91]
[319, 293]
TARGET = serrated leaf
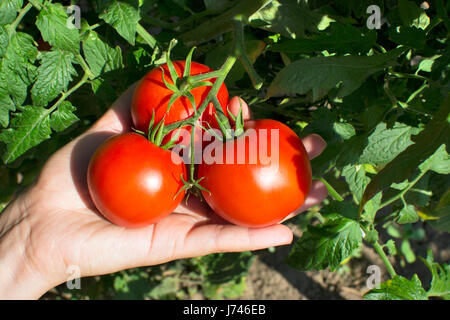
[16, 71]
[321, 74]
[398, 288]
[63, 117]
[407, 214]
[54, 75]
[100, 56]
[326, 245]
[8, 10]
[340, 39]
[123, 16]
[355, 176]
[384, 144]
[296, 19]
[28, 128]
[436, 133]
[440, 277]
[52, 23]
[4, 40]
[439, 162]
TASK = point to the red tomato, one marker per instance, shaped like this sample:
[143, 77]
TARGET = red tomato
[252, 193]
[151, 94]
[133, 182]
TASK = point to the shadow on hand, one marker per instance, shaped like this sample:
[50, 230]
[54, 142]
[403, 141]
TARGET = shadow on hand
[79, 162]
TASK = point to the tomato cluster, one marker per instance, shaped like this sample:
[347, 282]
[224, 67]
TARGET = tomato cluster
[135, 182]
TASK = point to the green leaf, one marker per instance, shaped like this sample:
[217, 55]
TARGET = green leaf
[28, 128]
[398, 288]
[122, 16]
[436, 133]
[4, 40]
[408, 36]
[439, 162]
[100, 56]
[52, 22]
[218, 25]
[16, 71]
[408, 11]
[326, 245]
[440, 277]
[54, 75]
[63, 117]
[340, 39]
[355, 176]
[384, 144]
[408, 215]
[321, 74]
[8, 10]
[286, 17]
[407, 251]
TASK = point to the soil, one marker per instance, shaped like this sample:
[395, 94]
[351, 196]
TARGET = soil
[270, 278]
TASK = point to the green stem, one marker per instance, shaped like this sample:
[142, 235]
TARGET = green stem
[379, 250]
[146, 36]
[204, 76]
[400, 195]
[19, 18]
[239, 49]
[331, 190]
[85, 67]
[224, 70]
[65, 95]
[192, 146]
[408, 75]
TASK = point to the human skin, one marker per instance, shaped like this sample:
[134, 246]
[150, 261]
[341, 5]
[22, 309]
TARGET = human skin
[54, 224]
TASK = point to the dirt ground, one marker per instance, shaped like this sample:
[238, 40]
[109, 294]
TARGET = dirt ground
[271, 278]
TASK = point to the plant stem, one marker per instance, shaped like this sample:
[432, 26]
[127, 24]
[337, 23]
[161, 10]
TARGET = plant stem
[239, 50]
[223, 72]
[400, 195]
[19, 18]
[379, 250]
[204, 76]
[65, 95]
[331, 190]
[146, 36]
[85, 67]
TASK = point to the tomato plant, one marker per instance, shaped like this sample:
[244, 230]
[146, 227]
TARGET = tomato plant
[372, 79]
[133, 182]
[265, 186]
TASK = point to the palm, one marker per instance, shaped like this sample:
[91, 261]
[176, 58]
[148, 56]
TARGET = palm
[85, 239]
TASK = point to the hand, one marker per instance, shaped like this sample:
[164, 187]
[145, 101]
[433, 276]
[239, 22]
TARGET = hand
[54, 224]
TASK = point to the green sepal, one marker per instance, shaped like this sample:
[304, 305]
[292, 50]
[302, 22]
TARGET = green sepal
[187, 66]
[239, 124]
[172, 140]
[173, 72]
[173, 97]
[169, 86]
[150, 125]
[191, 99]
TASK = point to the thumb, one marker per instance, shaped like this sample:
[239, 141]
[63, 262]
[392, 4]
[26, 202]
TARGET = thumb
[235, 104]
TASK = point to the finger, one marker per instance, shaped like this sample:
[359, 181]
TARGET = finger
[314, 145]
[118, 117]
[316, 195]
[214, 238]
[235, 104]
